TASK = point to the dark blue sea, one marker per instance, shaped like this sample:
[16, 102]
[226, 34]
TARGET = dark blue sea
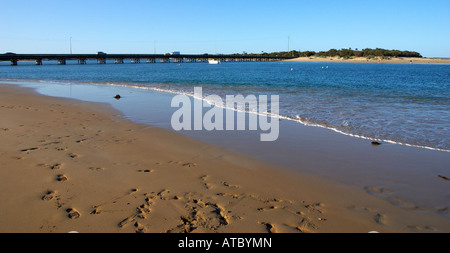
[407, 104]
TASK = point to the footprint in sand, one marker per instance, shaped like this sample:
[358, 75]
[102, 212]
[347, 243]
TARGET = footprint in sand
[49, 195]
[139, 227]
[73, 155]
[52, 196]
[73, 213]
[56, 166]
[306, 226]
[316, 207]
[262, 209]
[96, 168]
[230, 185]
[166, 195]
[270, 228]
[205, 183]
[145, 171]
[61, 178]
[200, 214]
[189, 164]
[142, 212]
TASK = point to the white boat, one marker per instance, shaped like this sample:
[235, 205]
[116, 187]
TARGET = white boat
[213, 61]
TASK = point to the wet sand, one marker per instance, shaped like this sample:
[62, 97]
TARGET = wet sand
[70, 165]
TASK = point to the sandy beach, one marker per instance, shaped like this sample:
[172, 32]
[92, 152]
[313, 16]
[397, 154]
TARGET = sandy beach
[372, 60]
[68, 165]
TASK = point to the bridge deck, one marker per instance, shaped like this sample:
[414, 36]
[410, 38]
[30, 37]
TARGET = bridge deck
[82, 57]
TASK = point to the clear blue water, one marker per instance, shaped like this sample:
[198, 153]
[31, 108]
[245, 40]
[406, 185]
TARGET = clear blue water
[401, 103]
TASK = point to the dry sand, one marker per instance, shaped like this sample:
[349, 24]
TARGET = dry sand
[373, 60]
[67, 165]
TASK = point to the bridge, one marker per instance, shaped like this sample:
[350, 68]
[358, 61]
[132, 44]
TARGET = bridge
[135, 58]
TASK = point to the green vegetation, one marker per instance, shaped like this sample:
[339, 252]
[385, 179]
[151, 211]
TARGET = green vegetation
[345, 53]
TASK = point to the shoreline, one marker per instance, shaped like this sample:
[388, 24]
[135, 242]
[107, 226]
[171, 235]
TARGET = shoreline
[119, 176]
[303, 122]
[409, 60]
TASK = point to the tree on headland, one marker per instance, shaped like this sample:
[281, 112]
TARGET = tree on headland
[345, 53]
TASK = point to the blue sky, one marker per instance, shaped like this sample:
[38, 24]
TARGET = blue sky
[208, 26]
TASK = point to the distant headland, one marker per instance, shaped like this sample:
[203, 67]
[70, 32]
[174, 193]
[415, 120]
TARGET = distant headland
[347, 53]
[355, 55]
